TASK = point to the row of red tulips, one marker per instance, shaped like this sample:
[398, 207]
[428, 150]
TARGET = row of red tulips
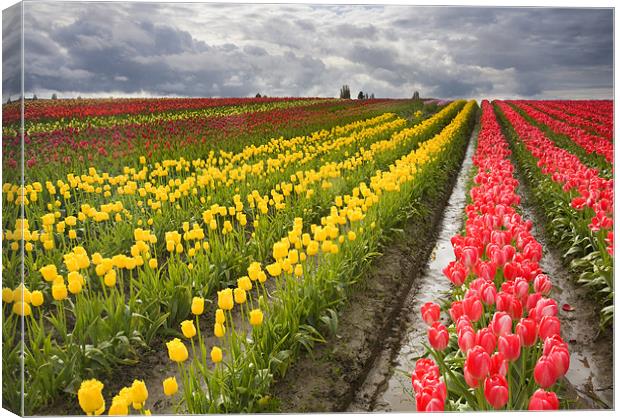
[573, 115]
[598, 110]
[589, 142]
[594, 192]
[69, 108]
[503, 347]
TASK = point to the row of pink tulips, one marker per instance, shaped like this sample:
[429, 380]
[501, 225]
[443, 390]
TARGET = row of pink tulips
[502, 347]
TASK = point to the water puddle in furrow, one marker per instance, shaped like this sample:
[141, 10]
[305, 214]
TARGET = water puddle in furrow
[387, 386]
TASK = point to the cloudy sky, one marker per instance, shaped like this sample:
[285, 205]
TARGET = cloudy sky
[141, 49]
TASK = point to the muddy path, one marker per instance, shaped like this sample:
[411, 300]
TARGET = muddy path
[329, 379]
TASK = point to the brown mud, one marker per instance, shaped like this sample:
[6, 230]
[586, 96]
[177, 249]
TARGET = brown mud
[330, 378]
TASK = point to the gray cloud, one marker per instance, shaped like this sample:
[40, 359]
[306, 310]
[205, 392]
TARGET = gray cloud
[237, 50]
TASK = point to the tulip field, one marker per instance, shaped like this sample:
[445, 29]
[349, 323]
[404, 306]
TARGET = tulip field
[195, 256]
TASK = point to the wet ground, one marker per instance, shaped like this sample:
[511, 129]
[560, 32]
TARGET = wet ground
[388, 384]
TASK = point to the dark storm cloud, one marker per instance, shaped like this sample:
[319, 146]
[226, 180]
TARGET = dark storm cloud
[11, 52]
[232, 50]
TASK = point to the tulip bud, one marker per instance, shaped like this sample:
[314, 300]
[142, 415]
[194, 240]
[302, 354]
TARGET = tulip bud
[466, 339]
[216, 355]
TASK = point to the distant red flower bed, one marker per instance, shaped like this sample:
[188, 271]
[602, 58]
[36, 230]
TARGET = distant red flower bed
[73, 108]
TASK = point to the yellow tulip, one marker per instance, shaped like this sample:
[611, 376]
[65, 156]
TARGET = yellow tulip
[219, 330]
[90, 396]
[198, 305]
[240, 296]
[59, 291]
[177, 350]
[119, 407]
[37, 298]
[220, 318]
[7, 295]
[256, 317]
[216, 354]
[225, 299]
[139, 394]
[188, 328]
[170, 386]
[21, 308]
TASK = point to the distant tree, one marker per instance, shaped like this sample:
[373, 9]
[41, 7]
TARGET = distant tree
[372, 95]
[360, 95]
[34, 97]
[9, 100]
[258, 95]
[79, 97]
[345, 92]
[365, 96]
[416, 95]
[54, 96]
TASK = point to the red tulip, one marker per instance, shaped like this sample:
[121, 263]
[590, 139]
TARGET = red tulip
[464, 323]
[428, 401]
[471, 381]
[472, 307]
[545, 373]
[496, 390]
[499, 365]
[510, 346]
[486, 339]
[542, 400]
[456, 273]
[456, 310]
[466, 339]
[560, 358]
[546, 306]
[488, 294]
[430, 312]
[532, 300]
[438, 336]
[521, 288]
[526, 329]
[478, 362]
[542, 284]
[553, 341]
[548, 326]
[501, 323]
[470, 256]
